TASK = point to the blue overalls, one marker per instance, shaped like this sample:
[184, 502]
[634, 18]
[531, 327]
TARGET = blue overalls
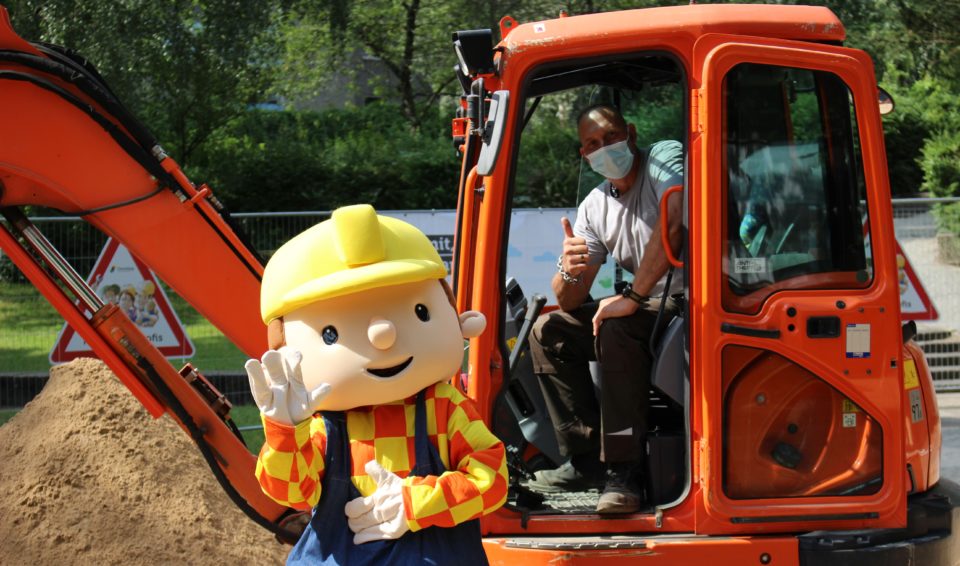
[329, 540]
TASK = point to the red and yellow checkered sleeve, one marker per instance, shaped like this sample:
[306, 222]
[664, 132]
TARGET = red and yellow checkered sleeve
[290, 465]
[476, 481]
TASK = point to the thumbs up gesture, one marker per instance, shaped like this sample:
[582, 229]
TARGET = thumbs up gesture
[575, 256]
[379, 516]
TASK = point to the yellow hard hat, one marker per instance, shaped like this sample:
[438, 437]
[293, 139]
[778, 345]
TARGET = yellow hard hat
[354, 251]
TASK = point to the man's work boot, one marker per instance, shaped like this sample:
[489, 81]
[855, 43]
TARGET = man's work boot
[568, 477]
[621, 494]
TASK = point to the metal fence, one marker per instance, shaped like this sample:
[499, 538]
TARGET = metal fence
[934, 255]
[29, 327]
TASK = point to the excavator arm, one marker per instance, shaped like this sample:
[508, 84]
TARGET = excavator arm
[69, 144]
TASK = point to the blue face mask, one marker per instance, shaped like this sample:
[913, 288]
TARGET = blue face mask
[612, 161]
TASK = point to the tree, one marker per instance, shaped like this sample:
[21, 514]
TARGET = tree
[184, 67]
[411, 38]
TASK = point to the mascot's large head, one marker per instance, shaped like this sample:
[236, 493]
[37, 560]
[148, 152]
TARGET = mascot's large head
[363, 298]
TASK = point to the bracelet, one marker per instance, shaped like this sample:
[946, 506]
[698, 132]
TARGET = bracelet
[567, 278]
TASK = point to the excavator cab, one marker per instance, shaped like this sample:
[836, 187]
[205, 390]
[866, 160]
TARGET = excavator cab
[776, 398]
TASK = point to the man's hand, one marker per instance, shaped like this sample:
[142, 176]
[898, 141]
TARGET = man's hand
[613, 307]
[575, 256]
[380, 516]
[277, 387]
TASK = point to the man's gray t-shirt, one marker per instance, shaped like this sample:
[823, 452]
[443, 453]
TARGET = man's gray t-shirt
[622, 226]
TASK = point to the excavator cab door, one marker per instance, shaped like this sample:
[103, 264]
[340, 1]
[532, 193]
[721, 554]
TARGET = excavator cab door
[796, 336]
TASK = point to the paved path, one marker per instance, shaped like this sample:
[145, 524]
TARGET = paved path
[949, 404]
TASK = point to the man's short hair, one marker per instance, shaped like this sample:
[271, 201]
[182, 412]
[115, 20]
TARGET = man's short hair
[603, 108]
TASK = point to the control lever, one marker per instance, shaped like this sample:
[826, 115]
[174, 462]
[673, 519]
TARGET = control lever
[533, 311]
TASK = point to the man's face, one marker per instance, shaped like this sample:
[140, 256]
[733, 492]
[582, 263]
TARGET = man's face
[598, 129]
[376, 346]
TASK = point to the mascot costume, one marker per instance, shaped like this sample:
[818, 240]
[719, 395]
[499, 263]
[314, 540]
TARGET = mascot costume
[360, 424]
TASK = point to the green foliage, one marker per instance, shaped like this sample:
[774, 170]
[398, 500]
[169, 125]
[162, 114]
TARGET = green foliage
[184, 67]
[276, 161]
[941, 168]
[941, 164]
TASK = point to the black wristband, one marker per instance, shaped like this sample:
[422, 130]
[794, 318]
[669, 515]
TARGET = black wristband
[629, 293]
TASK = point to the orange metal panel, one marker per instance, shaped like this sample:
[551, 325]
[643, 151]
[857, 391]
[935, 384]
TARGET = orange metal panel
[666, 550]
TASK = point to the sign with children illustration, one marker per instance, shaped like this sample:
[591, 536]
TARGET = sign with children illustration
[121, 279]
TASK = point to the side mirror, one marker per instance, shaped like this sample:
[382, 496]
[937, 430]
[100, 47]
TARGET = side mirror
[493, 129]
[474, 49]
[884, 101]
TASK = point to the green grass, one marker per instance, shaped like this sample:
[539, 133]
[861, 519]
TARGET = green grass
[7, 414]
[245, 415]
[29, 328]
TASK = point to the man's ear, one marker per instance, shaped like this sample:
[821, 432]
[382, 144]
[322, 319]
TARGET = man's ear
[472, 324]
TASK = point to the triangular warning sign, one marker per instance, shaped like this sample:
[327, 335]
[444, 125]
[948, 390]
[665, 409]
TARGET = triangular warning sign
[120, 278]
[915, 304]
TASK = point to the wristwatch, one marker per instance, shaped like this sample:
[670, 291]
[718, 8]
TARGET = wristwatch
[629, 293]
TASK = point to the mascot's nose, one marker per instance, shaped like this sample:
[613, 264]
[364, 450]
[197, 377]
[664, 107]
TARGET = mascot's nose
[382, 333]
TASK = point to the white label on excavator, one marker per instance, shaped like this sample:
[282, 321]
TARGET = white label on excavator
[916, 406]
[750, 265]
[858, 340]
[849, 420]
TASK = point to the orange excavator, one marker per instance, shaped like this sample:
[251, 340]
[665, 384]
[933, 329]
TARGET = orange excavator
[792, 419]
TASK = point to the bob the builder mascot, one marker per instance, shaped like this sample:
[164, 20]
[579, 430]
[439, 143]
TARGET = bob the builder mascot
[359, 422]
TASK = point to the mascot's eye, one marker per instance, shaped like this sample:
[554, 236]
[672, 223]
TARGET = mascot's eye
[422, 312]
[330, 335]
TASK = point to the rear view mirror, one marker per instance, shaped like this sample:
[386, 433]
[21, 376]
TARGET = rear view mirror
[493, 129]
[884, 101]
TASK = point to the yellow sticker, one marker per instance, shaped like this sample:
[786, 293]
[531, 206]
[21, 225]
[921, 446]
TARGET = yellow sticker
[511, 342]
[849, 407]
[911, 378]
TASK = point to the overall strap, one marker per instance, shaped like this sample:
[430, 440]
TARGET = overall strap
[428, 461]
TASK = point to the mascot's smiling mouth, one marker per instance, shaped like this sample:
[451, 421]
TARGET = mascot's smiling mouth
[391, 371]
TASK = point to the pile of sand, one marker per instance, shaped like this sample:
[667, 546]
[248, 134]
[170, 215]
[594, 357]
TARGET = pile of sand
[87, 476]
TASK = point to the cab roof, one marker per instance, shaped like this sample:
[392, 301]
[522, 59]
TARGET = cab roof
[803, 23]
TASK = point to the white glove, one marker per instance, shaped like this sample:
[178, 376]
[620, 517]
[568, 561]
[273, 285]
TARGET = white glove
[277, 387]
[380, 516]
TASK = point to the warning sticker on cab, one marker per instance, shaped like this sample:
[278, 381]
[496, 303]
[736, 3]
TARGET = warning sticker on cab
[858, 340]
[911, 379]
[849, 406]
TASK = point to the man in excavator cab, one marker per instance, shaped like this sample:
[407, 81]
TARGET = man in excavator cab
[605, 437]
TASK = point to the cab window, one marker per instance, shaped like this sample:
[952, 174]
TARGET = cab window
[796, 217]
[551, 179]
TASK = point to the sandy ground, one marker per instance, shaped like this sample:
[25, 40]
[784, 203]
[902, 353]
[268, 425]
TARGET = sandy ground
[88, 477]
